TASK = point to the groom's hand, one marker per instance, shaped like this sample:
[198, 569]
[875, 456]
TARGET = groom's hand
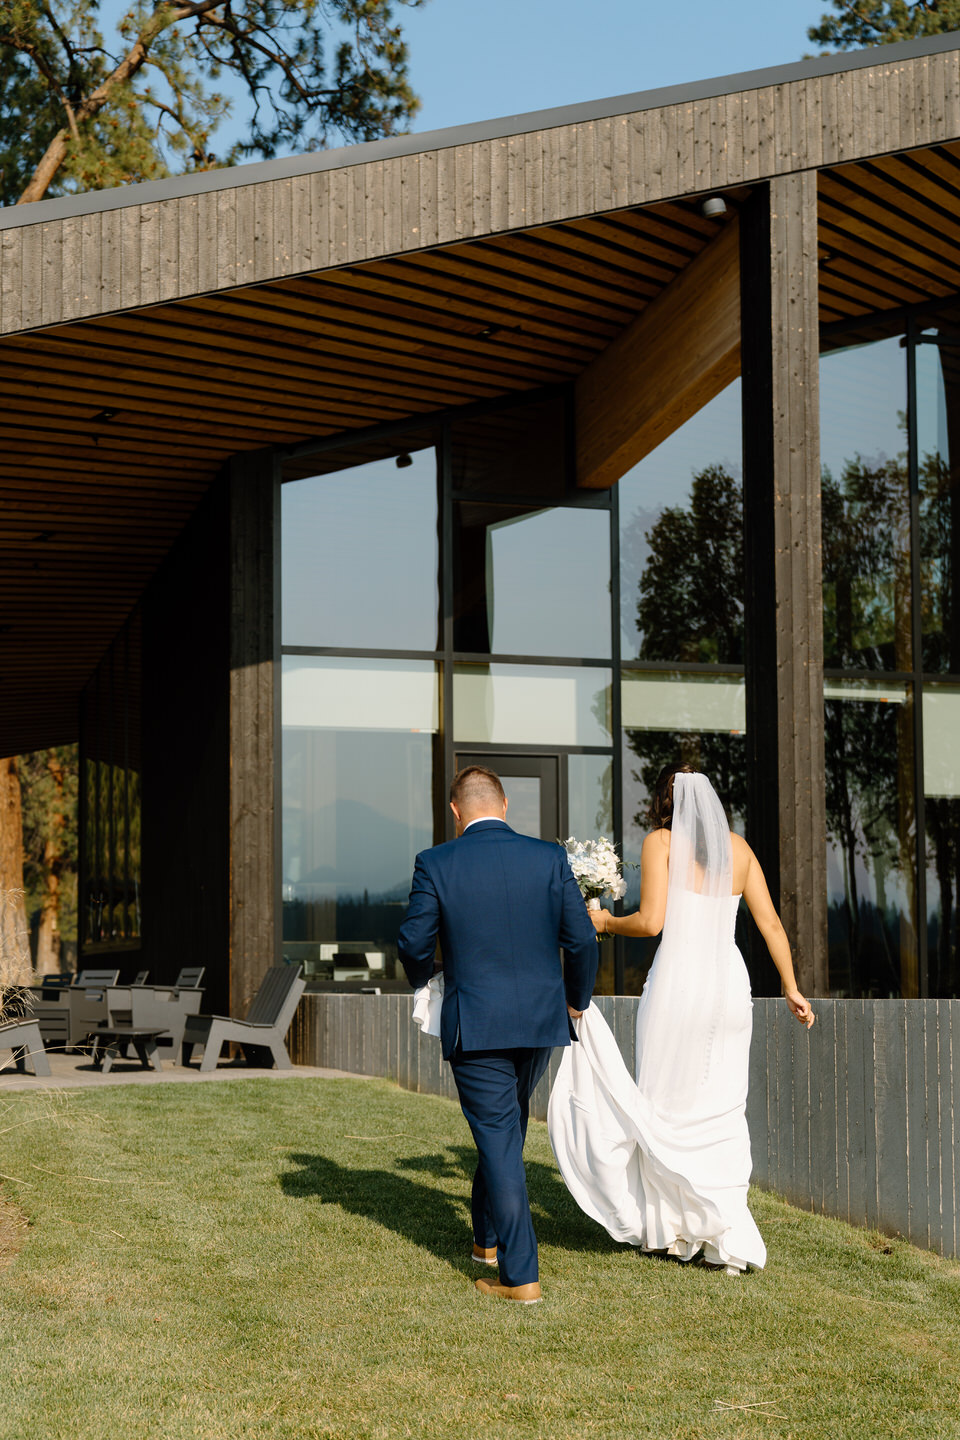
[574, 1014]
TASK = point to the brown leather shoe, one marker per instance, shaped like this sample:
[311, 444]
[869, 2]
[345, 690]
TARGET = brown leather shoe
[484, 1256]
[528, 1294]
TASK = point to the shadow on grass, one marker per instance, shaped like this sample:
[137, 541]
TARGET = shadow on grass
[433, 1217]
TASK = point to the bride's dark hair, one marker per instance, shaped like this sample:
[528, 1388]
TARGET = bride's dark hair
[661, 802]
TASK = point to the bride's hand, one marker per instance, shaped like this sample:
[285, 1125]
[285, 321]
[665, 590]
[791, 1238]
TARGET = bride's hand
[800, 1007]
[599, 918]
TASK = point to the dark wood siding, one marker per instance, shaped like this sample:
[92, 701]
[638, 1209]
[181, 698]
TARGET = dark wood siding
[185, 755]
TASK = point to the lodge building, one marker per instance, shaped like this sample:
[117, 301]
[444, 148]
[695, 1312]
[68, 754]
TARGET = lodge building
[571, 443]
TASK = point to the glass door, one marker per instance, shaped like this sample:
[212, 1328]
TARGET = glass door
[531, 784]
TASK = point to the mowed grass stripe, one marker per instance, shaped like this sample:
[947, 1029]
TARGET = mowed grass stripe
[290, 1260]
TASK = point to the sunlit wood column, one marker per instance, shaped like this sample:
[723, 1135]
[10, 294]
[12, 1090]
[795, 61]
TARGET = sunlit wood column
[783, 599]
[254, 614]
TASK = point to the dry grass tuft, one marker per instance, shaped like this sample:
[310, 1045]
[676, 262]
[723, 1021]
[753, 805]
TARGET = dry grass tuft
[13, 1231]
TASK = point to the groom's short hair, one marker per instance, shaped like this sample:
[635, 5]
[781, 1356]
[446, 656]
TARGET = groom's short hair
[476, 785]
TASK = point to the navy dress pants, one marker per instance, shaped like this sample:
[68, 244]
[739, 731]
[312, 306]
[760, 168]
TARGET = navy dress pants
[494, 1088]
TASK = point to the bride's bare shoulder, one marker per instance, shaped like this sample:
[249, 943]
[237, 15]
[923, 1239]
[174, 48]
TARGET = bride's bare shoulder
[742, 856]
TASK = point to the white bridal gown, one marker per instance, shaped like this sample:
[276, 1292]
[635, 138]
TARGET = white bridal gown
[664, 1164]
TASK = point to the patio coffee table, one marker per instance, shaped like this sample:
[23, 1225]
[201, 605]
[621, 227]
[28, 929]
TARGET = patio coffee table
[109, 1044]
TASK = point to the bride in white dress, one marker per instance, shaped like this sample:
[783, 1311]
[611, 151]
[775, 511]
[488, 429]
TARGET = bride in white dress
[664, 1164]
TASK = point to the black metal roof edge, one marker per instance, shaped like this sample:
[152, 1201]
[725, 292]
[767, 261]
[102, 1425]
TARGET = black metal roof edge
[153, 191]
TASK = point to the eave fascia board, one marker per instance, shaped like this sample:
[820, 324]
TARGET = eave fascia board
[152, 192]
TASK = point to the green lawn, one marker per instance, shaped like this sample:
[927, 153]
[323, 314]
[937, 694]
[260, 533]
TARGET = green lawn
[289, 1259]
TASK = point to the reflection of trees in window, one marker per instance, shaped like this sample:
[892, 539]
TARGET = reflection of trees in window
[719, 754]
[943, 838]
[690, 609]
[866, 565]
[871, 820]
[690, 606]
[939, 518]
[940, 564]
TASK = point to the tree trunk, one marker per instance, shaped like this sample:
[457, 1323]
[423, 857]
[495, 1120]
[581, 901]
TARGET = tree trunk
[48, 935]
[15, 967]
[54, 861]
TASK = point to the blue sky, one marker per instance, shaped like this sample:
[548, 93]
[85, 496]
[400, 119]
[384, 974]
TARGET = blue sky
[478, 59]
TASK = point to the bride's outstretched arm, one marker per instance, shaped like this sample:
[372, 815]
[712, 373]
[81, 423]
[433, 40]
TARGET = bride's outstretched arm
[762, 909]
[648, 920]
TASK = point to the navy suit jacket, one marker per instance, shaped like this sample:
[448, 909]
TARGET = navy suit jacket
[501, 906]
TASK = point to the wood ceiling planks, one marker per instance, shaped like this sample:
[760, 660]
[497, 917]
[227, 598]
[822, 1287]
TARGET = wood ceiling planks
[889, 232]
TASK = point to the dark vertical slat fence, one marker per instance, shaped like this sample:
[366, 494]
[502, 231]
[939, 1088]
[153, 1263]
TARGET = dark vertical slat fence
[857, 1118]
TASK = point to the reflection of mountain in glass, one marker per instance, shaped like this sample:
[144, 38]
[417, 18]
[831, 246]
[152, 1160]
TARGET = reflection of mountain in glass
[373, 853]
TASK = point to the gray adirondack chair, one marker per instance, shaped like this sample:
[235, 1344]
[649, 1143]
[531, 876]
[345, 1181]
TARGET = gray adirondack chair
[87, 1001]
[192, 977]
[23, 1038]
[266, 1024]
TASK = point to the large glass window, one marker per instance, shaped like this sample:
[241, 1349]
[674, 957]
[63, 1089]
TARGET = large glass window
[110, 799]
[890, 555]
[681, 604]
[359, 553]
[590, 795]
[531, 582]
[670, 719]
[872, 839]
[531, 705]
[358, 804]
[681, 543]
[866, 508]
[941, 786]
[938, 445]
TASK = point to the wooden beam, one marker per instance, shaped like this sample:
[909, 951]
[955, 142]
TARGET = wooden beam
[786, 806]
[680, 352]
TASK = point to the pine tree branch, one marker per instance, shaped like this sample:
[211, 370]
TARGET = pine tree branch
[56, 152]
[72, 67]
[276, 56]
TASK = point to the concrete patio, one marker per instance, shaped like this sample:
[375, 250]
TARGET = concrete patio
[75, 1072]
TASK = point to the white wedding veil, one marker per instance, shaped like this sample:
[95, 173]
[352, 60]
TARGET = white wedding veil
[686, 994]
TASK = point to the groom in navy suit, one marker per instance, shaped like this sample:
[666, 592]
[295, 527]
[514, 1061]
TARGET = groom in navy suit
[501, 906]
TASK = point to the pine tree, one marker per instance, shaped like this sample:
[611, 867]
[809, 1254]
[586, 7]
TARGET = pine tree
[81, 112]
[49, 781]
[860, 23]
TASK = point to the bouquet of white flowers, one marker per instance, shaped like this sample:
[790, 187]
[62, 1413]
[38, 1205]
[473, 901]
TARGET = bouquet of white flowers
[597, 869]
